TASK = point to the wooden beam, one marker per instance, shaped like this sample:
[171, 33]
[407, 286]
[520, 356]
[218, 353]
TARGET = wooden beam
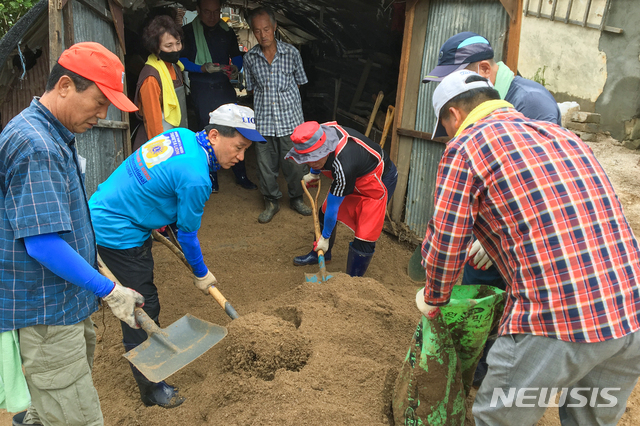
[374, 112]
[55, 33]
[513, 39]
[118, 22]
[607, 28]
[69, 32]
[409, 81]
[112, 124]
[101, 11]
[361, 84]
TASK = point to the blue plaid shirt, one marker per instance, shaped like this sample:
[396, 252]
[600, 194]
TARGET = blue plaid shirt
[276, 98]
[42, 192]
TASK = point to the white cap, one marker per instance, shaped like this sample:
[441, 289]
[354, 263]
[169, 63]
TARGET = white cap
[450, 87]
[240, 118]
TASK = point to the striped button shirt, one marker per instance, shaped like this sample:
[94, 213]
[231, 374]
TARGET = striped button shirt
[42, 192]
[542, 206]
[276, 98]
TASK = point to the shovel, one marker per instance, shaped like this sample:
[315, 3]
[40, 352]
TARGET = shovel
[323, 275]
[168, 350]
[213, 291]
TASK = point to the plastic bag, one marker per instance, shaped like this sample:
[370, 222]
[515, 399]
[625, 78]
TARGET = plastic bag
[437, 373]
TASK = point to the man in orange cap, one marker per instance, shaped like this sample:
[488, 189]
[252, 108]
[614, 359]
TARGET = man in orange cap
[49, 285]
[364, 178]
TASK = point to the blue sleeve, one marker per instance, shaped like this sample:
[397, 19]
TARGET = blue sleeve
[193, 253]
[237, 61]
[331, 214]
[57, 255]
[190, 66]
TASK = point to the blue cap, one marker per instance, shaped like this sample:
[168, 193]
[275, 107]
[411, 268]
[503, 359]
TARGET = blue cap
[458, 52]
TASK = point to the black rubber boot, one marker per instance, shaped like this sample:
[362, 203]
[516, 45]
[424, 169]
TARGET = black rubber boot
[357, 262]
[240, 171]
[214, 182]
[151, 393]
[271, 207]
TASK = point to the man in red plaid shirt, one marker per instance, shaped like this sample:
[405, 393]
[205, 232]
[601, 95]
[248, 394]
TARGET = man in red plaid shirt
[544, 209]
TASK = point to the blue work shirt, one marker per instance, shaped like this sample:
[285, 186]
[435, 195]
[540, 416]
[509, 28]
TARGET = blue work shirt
[42, 193]
[533, 100]
[164, 181]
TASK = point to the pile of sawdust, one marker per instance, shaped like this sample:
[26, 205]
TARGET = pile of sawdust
[320, 354]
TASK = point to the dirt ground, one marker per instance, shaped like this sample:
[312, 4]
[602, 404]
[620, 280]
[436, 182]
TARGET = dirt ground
[300, 353]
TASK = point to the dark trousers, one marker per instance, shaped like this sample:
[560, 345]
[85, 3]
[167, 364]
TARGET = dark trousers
[134, 269]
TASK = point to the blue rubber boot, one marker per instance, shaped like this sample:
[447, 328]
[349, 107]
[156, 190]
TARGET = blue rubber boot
[151, 393]
[357, 262]
[311, 258]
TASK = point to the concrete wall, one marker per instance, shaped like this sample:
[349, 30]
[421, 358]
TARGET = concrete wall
[600, 71]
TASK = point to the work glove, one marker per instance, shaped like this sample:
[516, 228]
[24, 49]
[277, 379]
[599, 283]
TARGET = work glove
[203, 283]
[311, 180]
[321, 244]
[478, 257]
[427, 310]
[211, 67]
[122, 301]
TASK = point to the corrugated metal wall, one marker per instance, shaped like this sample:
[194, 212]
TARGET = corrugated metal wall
[103, 148]
[446, 18]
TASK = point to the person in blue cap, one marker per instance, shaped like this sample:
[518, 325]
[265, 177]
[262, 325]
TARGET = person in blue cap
[468, 50]
[165, 181]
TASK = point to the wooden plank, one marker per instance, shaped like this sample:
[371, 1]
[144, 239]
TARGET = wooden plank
[513, 40]
[421, 135]
[526, 8]
[55, 33]
[605, 12]
[553, 10]
[539, 9]
[128, 148]
[353, 117]
[112, 124]
[361, 84]
[338, 83]
[409, 82]
[118, 21]
[374, 112]
[69, 33]
[511, 6]
[101, 11]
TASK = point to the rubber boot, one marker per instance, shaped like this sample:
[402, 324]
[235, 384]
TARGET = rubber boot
[311, 258]
[298, 205]
[18, 420]
[271, 207]
[357, 262]
[240, 171]
[214, 182]
[151, 393]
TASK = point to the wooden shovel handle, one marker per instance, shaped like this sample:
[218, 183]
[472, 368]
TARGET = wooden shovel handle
[213, 291]
[316, 227]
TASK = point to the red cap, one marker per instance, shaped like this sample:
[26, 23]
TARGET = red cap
[95, 62]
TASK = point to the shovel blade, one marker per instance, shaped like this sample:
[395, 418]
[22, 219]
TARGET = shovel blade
[182, 342]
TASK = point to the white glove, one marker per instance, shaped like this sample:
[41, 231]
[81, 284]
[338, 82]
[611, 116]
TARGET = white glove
[478, 257]
[210, 67]
[427, 310]
[310, 178]
[203, 283]
[321, 244]
[122, 301]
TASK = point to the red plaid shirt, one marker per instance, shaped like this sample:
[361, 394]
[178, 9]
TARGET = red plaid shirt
[544, 210]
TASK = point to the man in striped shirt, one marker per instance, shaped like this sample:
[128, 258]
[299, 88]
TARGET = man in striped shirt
[542, 206]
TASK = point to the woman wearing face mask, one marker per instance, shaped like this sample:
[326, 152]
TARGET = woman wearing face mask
[160, 94]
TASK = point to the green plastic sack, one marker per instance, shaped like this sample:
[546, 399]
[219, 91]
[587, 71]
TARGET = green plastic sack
[438, 370]
[472, 313]
[428, 390]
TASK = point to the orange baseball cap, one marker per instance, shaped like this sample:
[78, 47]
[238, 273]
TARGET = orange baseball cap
[95, 62]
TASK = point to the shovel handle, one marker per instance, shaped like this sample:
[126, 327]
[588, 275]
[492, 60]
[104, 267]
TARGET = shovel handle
[152, 328]
[316, 228]
[213, 291]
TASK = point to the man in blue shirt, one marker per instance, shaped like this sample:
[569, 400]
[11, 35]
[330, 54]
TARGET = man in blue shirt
[468, 50]
[49, 286]
[165, 181]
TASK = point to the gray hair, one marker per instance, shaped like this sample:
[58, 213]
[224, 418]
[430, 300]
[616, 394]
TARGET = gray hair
[262, 10]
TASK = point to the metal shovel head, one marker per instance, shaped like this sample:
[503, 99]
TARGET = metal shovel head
[319, 277]
[175, 346]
